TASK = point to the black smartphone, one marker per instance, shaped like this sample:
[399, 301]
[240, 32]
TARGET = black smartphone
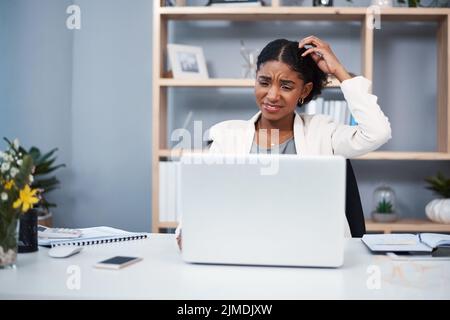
[117, 262]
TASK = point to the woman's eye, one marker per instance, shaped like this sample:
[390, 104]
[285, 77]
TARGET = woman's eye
[262, 83]
[286, 88]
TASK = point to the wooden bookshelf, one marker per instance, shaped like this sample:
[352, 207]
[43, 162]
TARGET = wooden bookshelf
[161, 83]
[407, 225]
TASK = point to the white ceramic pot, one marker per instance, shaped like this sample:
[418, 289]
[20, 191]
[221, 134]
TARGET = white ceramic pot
[438, 210]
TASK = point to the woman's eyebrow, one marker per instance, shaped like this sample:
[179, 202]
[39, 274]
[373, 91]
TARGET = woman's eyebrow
[287, 82]
[283, 81]
[264, 78]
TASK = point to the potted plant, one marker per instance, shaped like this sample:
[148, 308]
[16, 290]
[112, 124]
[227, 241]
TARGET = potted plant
[438, 210]
[44, 165]
[384, 199]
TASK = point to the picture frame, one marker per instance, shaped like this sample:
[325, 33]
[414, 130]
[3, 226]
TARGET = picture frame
[187, 62]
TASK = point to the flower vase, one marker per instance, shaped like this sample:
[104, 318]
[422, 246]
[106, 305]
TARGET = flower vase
[28, 234]
[9, 235]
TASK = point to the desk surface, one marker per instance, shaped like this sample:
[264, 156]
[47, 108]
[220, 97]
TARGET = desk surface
[163, 275]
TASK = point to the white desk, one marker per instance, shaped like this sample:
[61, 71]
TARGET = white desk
[163, 275]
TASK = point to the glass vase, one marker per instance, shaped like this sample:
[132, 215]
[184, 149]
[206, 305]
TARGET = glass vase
[384, 204]
[9, 235]
[28, 238]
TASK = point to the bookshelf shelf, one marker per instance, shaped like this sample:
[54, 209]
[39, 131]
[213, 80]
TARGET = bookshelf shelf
[392, 155]
[299, 13]
[407, 225]
[244, 83]
[161, 84]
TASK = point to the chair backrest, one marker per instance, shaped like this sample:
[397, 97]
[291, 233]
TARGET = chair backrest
[353, 207]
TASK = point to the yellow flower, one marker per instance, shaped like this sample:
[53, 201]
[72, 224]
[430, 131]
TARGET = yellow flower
[9, 184]
[27, 198]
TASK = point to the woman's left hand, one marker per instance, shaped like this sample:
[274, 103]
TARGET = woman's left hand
[322, 54]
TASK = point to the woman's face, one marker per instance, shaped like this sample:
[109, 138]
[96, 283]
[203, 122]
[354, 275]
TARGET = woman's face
[278, 89]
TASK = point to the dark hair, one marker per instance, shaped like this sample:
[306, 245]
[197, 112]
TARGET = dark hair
[288, 52]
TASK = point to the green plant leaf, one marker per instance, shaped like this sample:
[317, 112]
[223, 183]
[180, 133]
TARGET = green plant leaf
[43, 166]
[45, 183]
[49, 189]
[439, 184]
[35, 154]
[49, 170]
[47, 156]
[7, 141]
[384, 207]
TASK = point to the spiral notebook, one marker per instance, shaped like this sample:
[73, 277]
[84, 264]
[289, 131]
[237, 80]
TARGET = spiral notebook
[95, 235]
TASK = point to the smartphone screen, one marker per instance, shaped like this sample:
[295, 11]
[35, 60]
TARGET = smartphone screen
[117, 262]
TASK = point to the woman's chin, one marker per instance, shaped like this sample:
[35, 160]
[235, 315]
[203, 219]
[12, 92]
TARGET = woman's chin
[272, 115]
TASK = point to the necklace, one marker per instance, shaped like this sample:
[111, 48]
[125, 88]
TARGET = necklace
[281, 138]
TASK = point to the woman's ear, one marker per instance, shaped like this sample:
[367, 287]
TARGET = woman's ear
[307, 89]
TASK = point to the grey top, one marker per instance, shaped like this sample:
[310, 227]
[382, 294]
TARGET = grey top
[287, 147]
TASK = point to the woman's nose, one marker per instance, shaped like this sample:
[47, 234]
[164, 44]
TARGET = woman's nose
[273, 94]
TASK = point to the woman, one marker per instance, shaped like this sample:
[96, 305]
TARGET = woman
[290, 75]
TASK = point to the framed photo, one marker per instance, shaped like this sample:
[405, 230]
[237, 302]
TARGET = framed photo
[188, 62]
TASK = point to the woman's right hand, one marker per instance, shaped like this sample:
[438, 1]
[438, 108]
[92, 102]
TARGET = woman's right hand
[323, 55]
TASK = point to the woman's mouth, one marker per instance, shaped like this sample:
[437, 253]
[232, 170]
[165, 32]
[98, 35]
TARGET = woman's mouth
[271, 107]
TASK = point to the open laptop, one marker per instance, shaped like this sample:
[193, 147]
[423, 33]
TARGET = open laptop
[283, 210]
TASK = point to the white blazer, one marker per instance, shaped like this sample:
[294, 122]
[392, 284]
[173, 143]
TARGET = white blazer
[317, 134]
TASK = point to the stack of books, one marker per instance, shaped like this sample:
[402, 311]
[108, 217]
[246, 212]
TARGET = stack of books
[336, 109]
[168, 210]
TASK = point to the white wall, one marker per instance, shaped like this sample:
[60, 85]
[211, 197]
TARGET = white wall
[111, 115]
[87, 92]
[36, 82]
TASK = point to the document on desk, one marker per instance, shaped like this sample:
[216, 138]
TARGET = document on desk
[95, 235]
[396, 243]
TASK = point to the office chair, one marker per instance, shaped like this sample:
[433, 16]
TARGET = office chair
[353, 207]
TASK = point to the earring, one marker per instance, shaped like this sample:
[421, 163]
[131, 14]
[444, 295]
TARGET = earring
[301, 101]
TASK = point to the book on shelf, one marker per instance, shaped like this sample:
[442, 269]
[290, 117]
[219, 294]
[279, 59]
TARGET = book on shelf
[168, 190]
[436, 244]
[94, 235]
[337, 109]
[235, 3]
